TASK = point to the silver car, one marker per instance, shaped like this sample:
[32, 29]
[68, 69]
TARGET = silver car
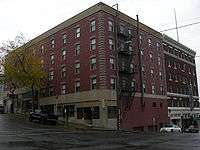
[170, 128]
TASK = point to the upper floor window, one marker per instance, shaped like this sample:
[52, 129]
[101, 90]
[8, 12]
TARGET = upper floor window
[152, 72]
[93, 83]
[52, 59]
[92, 25]
[151, 57]
[143, 70]
[158, 46]
[113, 83]
[93, 44]
[112, 62]
[121, 29]
[149, 42]
[64, 38]
[42, 49]
[159, 60]
[51, 91]
[51, 75]
[93, 62]
[111, 44]
[144, 87]
[63, 72]
[63, 54]
[78, 32]
[77, 68]
[77, 86]
[153, 89]
[160, 74]
[110, 26]
[77, 49]
[140, 37]
[63, 89]
[52, 43]
[161, 90]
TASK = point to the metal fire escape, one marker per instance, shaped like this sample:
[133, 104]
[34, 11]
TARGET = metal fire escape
[126, 70]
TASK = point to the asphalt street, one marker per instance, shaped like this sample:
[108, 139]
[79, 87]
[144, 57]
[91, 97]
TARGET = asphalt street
[22, 135]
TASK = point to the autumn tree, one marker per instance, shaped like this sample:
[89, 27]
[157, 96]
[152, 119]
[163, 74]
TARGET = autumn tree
[23, 68]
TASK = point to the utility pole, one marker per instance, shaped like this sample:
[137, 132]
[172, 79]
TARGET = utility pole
[177, 35]
[140, 64]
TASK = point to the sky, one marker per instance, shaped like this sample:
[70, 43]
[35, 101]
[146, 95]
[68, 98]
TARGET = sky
[34, 17]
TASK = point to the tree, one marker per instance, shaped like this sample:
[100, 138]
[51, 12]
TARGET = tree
[22, 67]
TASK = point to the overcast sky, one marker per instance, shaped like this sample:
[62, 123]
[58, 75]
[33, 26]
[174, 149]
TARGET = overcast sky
[33, 17]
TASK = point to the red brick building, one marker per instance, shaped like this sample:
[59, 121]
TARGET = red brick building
[181, 78]
[92, 62]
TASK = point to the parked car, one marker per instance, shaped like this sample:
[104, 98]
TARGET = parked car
[170, 128]
[191, 129]
[43, 117]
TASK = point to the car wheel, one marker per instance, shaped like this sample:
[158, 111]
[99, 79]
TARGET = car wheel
[172, 130]
[30, 119]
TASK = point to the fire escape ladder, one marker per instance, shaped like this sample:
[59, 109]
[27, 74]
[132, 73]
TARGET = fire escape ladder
[126, 69]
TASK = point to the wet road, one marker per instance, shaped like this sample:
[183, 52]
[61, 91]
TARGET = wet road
[19, 135]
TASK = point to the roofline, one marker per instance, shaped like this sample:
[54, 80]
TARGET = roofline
[91, 10]
[180, 46]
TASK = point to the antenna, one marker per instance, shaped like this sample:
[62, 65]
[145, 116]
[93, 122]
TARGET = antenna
[176, 25]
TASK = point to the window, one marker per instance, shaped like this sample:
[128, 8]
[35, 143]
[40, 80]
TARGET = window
[169, 63]
[143, 70]
[175, 66]
[112, 112]
[159, 61]
[71, 109]
[93, 83]
[51, 91]
[96, 113]
[64, 38]
[158, 46]
[160, 74]
[93, 63]
[154, 104]
[153, 89]
[110, 26]
[77, 49]
[170, 76]
[77, 86]
[52, 59]
[92, 25]
[151, 57]
[113, 83]
[78, 32]
[93, 44]
[51, 75]
[63, 54]
[161, 90]
[111, 44]
[63, 72]
[77, 68]
[152, 72]
[121, 29]
[144, 87]
[140, 39]
[52, 43]
[112, 62]
[80, 113]
[149, 42]
[42, 49]
[63, 89]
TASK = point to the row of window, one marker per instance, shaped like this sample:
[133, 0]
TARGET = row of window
[181, 90]
[154, 90]
[179, 78]
[178, 53]
[161, 76]
[181, 103]
[180, 66]
[93, 85]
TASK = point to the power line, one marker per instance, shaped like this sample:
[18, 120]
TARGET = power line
[180, 26]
